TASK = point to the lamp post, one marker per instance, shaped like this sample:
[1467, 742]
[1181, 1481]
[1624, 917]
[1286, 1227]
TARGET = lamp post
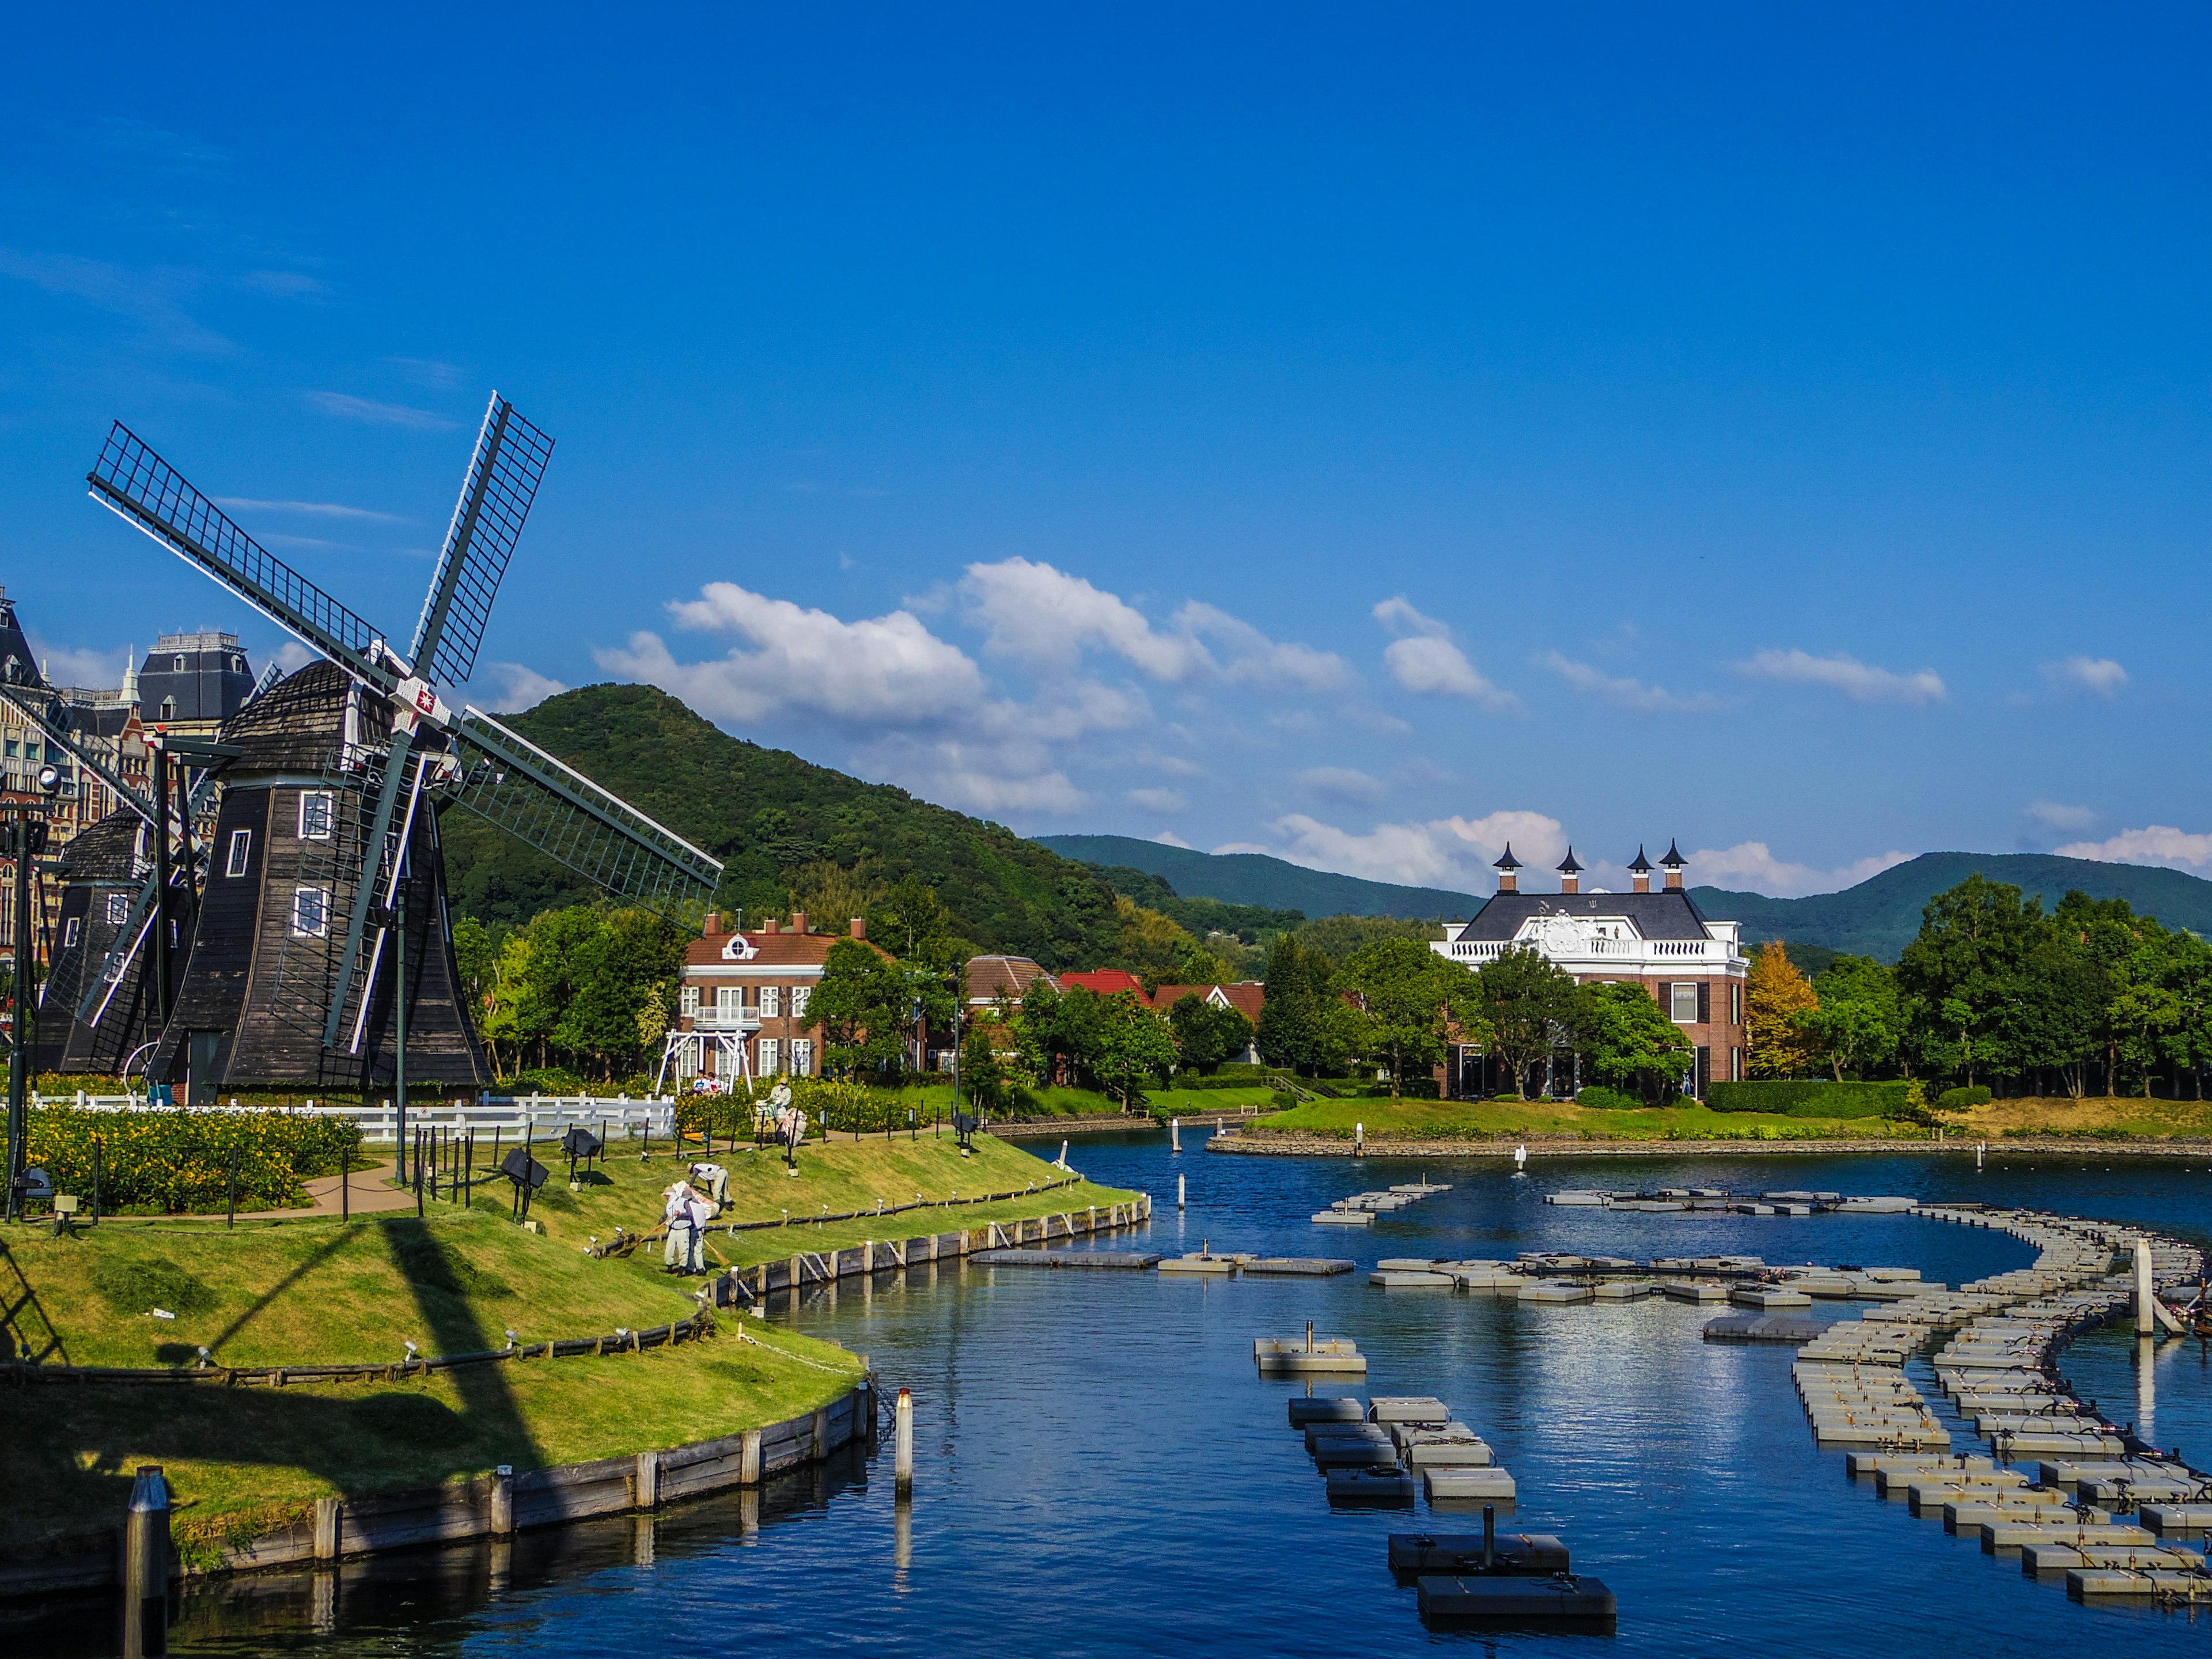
[23, 837]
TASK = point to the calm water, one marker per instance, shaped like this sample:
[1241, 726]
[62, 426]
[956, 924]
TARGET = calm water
[1098, 1469]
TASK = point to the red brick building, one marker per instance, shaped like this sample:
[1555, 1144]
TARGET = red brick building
[741, 1007]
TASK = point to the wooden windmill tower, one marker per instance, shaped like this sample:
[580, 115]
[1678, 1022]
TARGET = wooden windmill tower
[324, 932]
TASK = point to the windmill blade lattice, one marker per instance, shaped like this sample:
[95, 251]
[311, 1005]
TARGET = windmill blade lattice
[133, 481]
[496, 493]
[510, 782]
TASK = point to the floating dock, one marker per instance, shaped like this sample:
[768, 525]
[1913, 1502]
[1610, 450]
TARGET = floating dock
[1560, 1599]
[1132, 1261]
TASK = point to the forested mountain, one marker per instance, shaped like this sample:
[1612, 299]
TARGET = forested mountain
[791, 835]
[1254, 879]
[1880, 916]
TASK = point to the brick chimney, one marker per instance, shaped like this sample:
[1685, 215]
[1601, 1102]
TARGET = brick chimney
[798, 921]
[1508, 869]
[1570, 873]
[859, 926]
[771, 925]
[1641, 871]
[713, 921]
[1673, 864]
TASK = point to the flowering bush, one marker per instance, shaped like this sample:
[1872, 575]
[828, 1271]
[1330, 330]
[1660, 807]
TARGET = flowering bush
[177, 1160]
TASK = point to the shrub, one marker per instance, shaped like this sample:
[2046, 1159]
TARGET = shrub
[177, 1160]
[1793, 1098]
[1962, 1100]
[1599, 1098]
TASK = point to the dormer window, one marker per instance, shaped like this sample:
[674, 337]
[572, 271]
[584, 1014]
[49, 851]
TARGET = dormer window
[180, 666]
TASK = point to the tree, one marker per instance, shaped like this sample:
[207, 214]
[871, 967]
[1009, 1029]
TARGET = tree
[1405, 995]
[1134, 1047]
[862, 1003]
[1963, 974]
[1298, 1028]
[1206, 1034]
[1531, 1009]
[1856, 1021]
[1632, 1044]
[1776, 998]
[476, 953]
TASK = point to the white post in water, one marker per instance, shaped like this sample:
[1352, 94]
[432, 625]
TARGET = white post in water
[902, 1448]
[1520, 1159]
[2146, 1321]
[1175, 1134]
[1980, 1148]
[146, 1565]
[1180, 1192]
[1358, 1139]
[1063, 1155]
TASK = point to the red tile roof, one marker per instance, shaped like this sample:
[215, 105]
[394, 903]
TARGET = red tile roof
[777, 950]
[1247, 997]
[1103, 981]
[988, 976]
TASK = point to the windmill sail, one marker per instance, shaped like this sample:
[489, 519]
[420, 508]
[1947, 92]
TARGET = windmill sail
[496, 493]
[509, 781]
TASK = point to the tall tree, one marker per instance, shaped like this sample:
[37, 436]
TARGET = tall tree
[1856, 1021]
[862, 1002]
[1632, 1044]
[1963, 974]
[1530, 1009]
[1406, 996]
[1304, 1024]
[1777, 999]
[1205, 1035]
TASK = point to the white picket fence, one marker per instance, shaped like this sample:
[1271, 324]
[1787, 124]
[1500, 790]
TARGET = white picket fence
[618, 1117]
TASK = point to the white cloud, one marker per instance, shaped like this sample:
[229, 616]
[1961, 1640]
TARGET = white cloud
[1168, 838]
[1048, 619]
[518, 686]
[1452, 852]
[1626, 693]
[917, 708]
[271, 539]
[1858, 681]
[98, 670]
[2160, 843]
[151, 299]
[1425, 662]
[315, 509]
[349, 408]
[2059, 815]
[1160, 800]
[1752, 865]
[1242, 846]
[2100, 675]
[1339, 783]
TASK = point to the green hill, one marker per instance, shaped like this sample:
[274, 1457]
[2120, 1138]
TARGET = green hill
[791, 835]
[1254, 879]
[1879, 917]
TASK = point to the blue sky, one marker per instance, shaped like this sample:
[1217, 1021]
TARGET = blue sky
[1360, 433]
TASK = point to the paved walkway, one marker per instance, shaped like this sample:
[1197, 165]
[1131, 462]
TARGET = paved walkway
[369, 1196]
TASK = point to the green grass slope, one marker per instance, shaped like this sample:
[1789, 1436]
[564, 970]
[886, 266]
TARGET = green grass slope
[1880, 916]
[778, 822]
[1254, 879]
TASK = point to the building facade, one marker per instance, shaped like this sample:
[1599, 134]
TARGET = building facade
[1692, 966]
[191, 684]
[741, 1006]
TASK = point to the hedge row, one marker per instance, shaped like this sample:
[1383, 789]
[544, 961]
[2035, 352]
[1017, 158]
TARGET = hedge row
[1795, 1098]
[848, 1108]
[178, 1161]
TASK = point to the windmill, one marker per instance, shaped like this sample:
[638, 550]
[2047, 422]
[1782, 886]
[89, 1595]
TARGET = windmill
[109, 985]
[323, 951]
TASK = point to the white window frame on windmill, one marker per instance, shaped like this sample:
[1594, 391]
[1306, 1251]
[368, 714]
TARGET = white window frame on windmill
[70, 924]
[118, 910]
[241, 854]
[318, 814]
[311, 912]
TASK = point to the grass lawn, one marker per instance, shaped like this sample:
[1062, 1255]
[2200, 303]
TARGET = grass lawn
[839, 1177]
[1203, 1102]
[242, 1459]
[1450, 1119]
[2096, 1115]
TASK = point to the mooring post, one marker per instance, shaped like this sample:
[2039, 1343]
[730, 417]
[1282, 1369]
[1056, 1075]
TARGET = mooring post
[1489, 1537]
[2146, 1318]
[502, 1504]
[1180, 1192]
[1358, 1140]
[902, 1447]
[146, 1566]
[1175, 1134]
[1309, 1345]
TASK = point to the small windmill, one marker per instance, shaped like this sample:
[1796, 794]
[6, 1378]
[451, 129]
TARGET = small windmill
[106, 991]
[323, 954]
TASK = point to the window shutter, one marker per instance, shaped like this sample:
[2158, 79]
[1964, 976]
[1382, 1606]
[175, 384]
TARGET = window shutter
[1704, 1071]
[1704, 1002]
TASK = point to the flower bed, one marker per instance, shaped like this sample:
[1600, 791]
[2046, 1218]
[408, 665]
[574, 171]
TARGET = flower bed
[175, 1161]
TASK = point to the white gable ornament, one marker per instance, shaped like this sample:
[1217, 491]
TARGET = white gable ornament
[739, 949]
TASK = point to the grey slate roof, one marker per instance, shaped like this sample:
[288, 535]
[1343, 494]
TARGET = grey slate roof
[1665, 915]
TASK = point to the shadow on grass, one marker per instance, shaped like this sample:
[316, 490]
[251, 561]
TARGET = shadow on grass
[73, 1451]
